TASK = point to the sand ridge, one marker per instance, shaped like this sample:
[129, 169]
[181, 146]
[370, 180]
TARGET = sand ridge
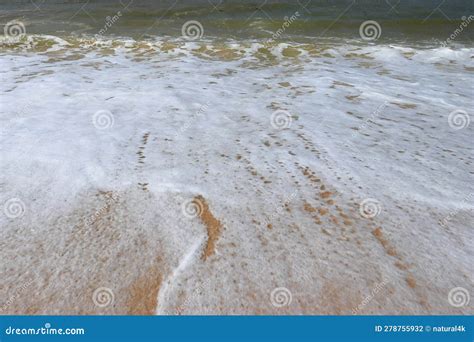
[213, 226]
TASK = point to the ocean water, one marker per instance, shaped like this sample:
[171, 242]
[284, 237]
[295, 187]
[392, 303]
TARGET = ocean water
[287, 117]
[409, 20]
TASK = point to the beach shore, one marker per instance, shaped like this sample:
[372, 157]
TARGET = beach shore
[252, 188]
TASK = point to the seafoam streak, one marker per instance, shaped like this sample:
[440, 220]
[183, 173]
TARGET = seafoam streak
[185, 261]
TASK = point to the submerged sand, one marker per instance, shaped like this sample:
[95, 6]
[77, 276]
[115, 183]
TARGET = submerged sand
[329, 265]
[174, 183]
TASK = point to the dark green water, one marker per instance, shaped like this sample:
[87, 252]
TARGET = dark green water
[406, 21]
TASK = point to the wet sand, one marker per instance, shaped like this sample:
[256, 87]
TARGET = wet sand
[190, 195]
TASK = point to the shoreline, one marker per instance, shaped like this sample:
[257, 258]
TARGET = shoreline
[134, 277]
[331, 181]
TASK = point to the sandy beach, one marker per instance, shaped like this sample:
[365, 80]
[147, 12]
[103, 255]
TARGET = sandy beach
[211, 176]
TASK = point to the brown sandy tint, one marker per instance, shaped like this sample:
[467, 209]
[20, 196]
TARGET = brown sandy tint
[390, 250]
[212, 224]
[143, 298]
[325, 194]
[307, 207]
[323, 211]
[401, 266]
[410, 279]
[404, 105]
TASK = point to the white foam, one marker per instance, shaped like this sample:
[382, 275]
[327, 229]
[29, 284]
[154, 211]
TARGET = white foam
[406, 155]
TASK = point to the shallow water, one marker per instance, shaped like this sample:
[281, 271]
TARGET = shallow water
[285, 138]
[409, 20]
